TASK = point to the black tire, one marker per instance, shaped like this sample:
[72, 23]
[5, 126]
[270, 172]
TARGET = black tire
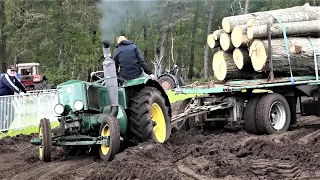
[250, 115]
[190, 122]
[41, 85]
[180, 80]
[167, 82]
[108, 153]
[141, 123]
[278, 104]
[45, 134]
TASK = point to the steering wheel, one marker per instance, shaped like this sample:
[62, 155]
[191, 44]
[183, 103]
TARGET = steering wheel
[98, 75]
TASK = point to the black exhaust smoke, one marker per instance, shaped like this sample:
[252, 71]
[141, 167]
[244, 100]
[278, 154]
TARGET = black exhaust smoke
[110, 76]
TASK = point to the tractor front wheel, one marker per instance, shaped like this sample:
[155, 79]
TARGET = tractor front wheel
[110, 130]
[149, 118]
[45, 149]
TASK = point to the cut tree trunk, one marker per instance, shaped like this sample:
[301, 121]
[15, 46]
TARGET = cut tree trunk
[241, 58]
[225, 42]
[217, 33]
[295, 28]
[301, 55]
[211, 42]
[300, 14]
[239, 36]
[297, 13]
[224, 67]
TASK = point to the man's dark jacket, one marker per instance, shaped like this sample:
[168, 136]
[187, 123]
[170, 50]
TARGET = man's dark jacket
[130, 59]
[9, 85]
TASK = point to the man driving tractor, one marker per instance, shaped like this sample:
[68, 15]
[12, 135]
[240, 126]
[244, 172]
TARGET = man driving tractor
[131, 61]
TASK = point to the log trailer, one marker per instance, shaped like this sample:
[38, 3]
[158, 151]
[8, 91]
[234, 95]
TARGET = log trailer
[266, 107]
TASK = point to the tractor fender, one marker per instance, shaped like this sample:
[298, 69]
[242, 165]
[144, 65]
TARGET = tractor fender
[175, 79]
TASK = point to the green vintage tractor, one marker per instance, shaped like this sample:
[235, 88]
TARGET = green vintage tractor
[98, 116]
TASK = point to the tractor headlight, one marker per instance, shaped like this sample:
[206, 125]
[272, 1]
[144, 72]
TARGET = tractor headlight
[78, 105]
[59, 109]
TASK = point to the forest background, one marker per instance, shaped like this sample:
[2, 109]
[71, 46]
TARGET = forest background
[66, 36]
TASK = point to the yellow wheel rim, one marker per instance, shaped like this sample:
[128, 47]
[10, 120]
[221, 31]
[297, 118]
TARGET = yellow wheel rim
[41, 137]
[160, 127]
[105, 132]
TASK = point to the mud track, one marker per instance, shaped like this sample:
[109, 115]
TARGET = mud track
[230, 153]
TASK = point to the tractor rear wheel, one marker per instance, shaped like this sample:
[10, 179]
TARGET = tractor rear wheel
[41, 85]
[167, 82]
[110, 130]
[149, 117]
[45, 134]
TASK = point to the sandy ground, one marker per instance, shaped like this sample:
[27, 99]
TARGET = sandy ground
[230, 153]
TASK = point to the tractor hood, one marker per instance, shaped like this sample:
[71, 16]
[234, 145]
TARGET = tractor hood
[76, 95]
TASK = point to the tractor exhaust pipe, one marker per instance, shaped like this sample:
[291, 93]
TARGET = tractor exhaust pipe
[110, 75]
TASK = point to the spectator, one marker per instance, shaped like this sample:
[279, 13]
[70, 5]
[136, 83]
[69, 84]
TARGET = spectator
[9, 84]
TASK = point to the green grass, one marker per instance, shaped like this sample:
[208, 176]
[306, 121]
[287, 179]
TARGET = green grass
[26, 130]
[173, 97]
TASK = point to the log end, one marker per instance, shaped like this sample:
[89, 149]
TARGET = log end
[258, 55]
[237, 36]
[211, 41]
[238, 58]
[226, 25]
[219, 65]
[251, 22]
[250, 32]
[225, 42]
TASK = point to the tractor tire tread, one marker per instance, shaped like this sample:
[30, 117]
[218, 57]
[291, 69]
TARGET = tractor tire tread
[140, 122]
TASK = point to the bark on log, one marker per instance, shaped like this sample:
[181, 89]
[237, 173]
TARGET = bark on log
[224, 67]
[228, 23]
[217, 33]
[295, 28]
[305, 13]
[301, 55]
[225, 42]
[241, 58]
[211, 42]
[239, 36]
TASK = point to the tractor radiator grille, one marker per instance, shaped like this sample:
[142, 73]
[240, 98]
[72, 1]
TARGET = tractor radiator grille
[93, 98]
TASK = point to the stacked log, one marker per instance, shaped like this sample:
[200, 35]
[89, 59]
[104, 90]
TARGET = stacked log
[243, 43]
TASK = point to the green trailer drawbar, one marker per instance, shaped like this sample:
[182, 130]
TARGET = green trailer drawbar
[266, 107]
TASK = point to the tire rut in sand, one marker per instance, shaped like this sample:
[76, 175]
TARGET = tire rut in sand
[276, 168]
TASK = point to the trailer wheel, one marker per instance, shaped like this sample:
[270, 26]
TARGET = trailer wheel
[250, 115]
[186, 125]
[149, 117]
[273, 114]
[109, 129]
[45, 134]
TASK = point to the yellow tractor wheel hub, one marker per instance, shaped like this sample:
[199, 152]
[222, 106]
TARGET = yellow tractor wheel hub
[105, 132]
[160, 127]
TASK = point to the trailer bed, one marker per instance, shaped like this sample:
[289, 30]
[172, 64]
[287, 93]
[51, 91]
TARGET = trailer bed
[244, 85]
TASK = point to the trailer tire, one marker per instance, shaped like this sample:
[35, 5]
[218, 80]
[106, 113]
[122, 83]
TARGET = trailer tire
[273, 114]
[190, 122]
[250, 115]
[146, 103]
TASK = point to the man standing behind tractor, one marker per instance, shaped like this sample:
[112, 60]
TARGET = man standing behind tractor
[10, 84]
[131, 62]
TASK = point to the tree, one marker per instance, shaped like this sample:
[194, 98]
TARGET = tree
[192, 46]
[207, 49]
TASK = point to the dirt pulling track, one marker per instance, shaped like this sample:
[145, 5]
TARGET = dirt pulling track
[230, 153]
